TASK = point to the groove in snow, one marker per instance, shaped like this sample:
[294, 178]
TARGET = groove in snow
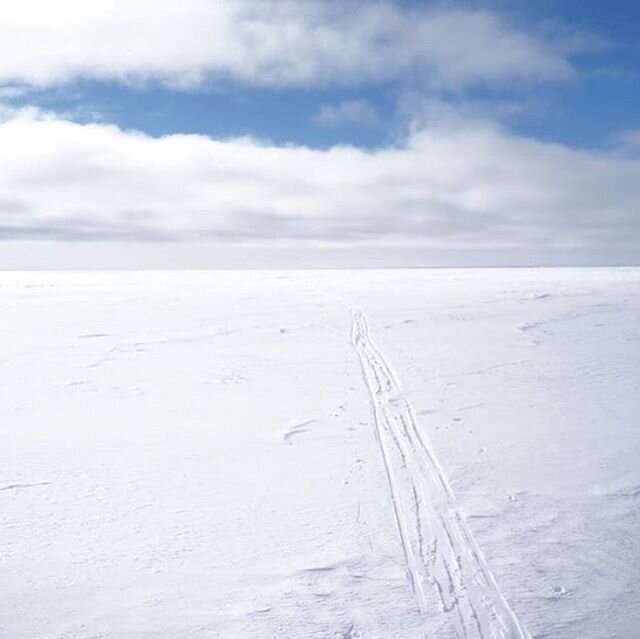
[441, 555]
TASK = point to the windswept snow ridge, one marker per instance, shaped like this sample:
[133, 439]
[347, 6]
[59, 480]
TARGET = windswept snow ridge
[444, 564]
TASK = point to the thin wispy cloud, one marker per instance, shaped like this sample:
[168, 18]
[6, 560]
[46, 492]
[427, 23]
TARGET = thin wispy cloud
[347, 112]
[626, 141]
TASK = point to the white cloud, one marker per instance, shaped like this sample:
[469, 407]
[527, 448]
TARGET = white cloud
[451, 184]
[267, 42]
[358, 112]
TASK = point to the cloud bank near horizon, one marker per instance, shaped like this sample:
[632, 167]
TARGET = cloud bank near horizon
[451, 183]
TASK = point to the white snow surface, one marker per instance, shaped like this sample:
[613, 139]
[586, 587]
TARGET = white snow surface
[392, 454]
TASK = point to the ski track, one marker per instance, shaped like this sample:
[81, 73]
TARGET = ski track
[441, 555]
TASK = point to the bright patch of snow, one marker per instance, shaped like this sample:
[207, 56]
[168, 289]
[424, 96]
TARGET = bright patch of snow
[444, 453]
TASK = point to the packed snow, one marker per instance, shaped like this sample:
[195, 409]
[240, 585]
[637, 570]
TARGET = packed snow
[392, 454]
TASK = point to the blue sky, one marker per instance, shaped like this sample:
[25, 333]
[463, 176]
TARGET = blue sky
[304, 122]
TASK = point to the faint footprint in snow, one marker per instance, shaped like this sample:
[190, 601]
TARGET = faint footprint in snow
[232, 377]
[298, 429]
[559, 591]
[350, 633]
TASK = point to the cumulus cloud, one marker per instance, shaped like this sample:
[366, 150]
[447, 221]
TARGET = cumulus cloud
[347, 112]
[451, 183]
[186, 43]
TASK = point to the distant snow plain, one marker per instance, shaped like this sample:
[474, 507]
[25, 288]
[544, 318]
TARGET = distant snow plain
[347, 454]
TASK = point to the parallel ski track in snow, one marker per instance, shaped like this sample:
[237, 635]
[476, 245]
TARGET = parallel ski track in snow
[444, 563]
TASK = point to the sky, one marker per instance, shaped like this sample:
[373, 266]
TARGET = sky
[303, 133]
